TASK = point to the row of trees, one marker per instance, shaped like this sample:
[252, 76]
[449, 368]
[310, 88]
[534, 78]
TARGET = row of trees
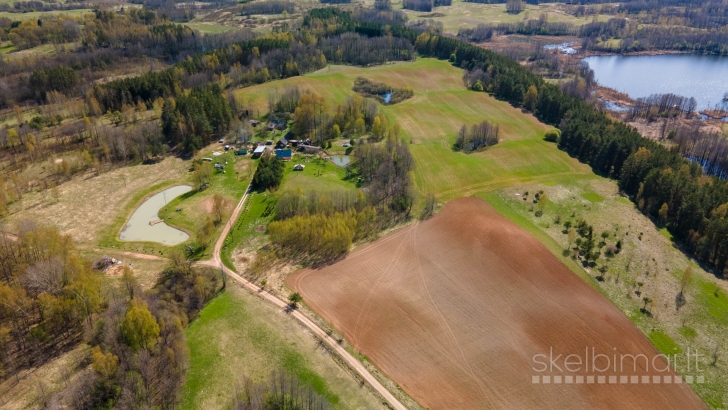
[321, 236]
[267, 7]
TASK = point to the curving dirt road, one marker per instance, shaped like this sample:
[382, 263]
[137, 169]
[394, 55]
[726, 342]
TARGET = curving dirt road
[350, 360]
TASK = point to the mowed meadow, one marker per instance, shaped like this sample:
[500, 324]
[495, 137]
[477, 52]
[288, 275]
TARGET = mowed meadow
[431, 119]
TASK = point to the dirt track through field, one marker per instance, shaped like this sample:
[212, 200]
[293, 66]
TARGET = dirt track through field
[455, 308]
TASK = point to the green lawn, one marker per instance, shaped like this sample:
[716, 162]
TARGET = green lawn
[318, 175]
[664, 343]
[592, 196]
[237, 335]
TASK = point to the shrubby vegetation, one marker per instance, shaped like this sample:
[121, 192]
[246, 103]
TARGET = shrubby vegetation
[478, 136]
[140, 355]
[282, 390]
[371, 89]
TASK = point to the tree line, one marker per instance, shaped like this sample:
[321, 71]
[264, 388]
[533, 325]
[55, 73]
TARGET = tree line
[267, 7]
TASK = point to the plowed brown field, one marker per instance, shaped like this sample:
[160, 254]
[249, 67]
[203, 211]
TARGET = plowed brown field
[454, 309]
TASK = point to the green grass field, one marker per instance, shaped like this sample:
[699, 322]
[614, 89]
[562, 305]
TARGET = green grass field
[431, 119]
[237, 335]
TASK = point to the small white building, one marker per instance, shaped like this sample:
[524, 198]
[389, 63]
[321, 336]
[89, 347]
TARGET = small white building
[259, 150]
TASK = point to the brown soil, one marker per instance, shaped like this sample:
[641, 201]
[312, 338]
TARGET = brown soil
[454, 309]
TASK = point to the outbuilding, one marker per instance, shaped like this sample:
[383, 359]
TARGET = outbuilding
[299, 167]
[283, 154]
[259, 150]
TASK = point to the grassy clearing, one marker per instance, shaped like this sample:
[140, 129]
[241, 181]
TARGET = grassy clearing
[592, 197]
[237, 335]
[431, 120]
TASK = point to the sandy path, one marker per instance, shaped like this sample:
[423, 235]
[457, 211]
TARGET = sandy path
[320, 333]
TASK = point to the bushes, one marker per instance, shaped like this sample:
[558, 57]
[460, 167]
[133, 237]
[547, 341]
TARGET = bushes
[321, 236]
[269, 173]
[371, 89]
[552, 136]
[477, 137]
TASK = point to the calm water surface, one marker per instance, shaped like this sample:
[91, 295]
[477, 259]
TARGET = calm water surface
[340, 160]
[137, 229]
[690, 75]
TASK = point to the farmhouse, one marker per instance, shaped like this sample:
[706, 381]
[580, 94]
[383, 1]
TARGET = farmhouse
[259, 150]
[276, 125]
[309, 149]
[283, 142]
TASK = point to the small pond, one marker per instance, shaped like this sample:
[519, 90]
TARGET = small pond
[340, 160]
[138, 228]
[387, 97]
[565, 48]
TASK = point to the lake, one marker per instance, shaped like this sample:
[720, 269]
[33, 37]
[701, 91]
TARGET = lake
[138, 229]
[691, 75]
